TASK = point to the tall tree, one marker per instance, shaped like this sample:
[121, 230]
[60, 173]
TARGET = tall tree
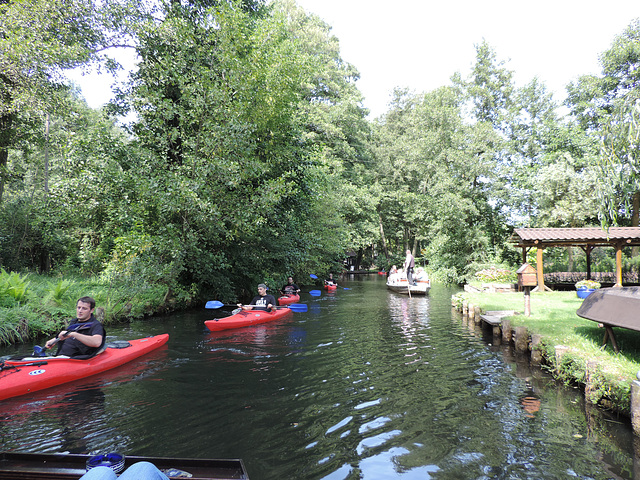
[38, 40]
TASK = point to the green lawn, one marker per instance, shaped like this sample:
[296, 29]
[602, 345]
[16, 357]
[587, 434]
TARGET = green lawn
[553, 315]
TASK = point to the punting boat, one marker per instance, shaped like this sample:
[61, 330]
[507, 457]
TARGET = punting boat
[30, 374]
[288, 299]
[331, 288]
[613, 307]
[246, 318]
[35, 466]
[400, 285]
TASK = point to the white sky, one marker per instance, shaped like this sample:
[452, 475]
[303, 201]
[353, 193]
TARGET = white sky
[419, 44]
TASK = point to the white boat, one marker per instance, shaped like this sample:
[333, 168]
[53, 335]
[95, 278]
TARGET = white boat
[400, 285]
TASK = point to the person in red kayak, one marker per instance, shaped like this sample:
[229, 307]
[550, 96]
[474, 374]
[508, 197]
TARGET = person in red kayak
[262, 301]
[290, 288]
[84, 336]
[330, 280]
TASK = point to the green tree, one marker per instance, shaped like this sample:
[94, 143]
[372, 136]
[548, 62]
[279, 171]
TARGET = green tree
[607, 105]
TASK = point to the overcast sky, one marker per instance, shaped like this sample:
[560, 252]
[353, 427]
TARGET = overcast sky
[420, 43]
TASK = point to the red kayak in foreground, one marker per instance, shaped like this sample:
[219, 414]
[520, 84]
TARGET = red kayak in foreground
[331, 288]
[288, 299]
[246, 318]
[19, 377]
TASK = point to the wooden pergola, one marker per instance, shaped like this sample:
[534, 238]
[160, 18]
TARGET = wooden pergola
[586, 238]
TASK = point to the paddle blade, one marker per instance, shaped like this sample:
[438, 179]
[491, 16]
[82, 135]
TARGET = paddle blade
[315, 277]
[315, 293]
[214, 304]
[39, 351]
[345, 288]
[298, 307]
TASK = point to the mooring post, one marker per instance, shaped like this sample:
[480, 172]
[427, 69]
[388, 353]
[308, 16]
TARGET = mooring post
[476, 315]
[522, 339]
[472, 311]
[506, 330]
[635, 406]
[536, 354]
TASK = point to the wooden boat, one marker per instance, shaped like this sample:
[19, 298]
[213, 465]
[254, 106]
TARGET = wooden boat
[613, 307]
[400, 285]
[31, 374]
[246, 318]
[36, 466]
[288, 299]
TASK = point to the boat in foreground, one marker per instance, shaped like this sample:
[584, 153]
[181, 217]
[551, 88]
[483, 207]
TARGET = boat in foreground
[31, 374]
[72, 466]
[288, 299]
[246, 318]
[402, 286]
[331, 288]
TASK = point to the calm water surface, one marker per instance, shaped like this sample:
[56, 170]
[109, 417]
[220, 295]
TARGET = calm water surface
[365, 385]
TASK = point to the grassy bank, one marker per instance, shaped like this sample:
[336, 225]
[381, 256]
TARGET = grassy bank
[553, 316]
[34, 305]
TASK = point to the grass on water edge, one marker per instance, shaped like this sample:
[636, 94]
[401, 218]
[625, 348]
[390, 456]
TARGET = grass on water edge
[32, 305]
[553, 316]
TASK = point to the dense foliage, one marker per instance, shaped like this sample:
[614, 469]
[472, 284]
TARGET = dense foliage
[251, 157]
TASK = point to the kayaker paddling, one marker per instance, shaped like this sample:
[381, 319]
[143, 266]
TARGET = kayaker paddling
[330, 281]
[290, 288]
[84, 336]
[262, 301]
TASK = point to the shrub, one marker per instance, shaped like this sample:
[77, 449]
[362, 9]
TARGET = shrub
[495, 274]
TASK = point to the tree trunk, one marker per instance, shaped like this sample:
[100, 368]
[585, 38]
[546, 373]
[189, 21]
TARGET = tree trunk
[383, 238]
[635, 214]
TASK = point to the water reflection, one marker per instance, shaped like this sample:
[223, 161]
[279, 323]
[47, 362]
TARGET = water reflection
[367, 384]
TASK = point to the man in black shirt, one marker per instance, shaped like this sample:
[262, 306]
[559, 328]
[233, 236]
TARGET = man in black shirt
[84, 336]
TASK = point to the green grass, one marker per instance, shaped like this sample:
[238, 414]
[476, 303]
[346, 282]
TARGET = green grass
[553, 316]
[45, 303]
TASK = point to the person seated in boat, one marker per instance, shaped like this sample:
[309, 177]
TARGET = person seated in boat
[84, 337]
[421, 275]
[395, 277]
[262, 301]
[393, 270]
[330, 280]
[290, 288]
[137, 471]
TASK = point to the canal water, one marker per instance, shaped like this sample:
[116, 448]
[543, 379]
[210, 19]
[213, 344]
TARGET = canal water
[367, 384]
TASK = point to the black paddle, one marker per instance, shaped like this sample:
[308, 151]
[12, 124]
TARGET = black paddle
[28, 364]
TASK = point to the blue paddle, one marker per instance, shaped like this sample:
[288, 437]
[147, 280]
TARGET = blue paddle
[296, 307]
[315, 277]
[315, 293]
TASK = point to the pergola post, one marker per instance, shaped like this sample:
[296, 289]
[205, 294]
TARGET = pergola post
[618, 265]
[540, 270]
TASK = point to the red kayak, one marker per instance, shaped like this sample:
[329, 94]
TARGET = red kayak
[288, 299]
[19, 377]
[331, 288]
[246, 318]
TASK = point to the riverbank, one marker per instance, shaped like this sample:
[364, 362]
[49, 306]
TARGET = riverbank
[570, 347]
[32, 306]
